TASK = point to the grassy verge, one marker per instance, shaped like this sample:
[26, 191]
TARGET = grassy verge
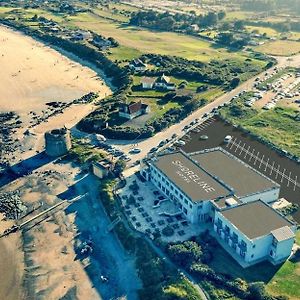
[83, 152]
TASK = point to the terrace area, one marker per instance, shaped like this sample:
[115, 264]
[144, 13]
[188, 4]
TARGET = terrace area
[152, 213]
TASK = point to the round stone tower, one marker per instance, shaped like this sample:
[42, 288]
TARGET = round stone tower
[57, 142]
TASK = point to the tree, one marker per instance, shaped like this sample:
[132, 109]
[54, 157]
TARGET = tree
[257, 291]
[185, 253]
[239, 25]
[166, 23]
[235, 82]
[119, 167]
[225, 38]
[221, 15]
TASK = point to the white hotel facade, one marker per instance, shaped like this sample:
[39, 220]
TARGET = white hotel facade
[214, 186]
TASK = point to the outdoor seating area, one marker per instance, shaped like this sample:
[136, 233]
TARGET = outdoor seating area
[150, 212]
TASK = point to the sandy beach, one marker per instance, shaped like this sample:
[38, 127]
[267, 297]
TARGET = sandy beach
[33, 74]
[43, 261]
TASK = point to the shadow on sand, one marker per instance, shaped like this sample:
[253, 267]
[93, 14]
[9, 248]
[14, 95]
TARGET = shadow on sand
[98, 250]
[24, 168]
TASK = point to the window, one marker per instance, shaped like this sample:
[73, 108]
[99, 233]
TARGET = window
[163, 179]
[253, 246]
[191, 205]
[176, 192]
[172, 188]
[180, 196]
[167, 183]
[227, 229]
[159, 176]
[234, 237]
[185, 201]
[159, 184]
[185, 210]
[167, 192]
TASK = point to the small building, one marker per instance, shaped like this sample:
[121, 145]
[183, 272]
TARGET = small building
[57, 142]
[102, 168]
[164, 82]
[194, 27]
[101, 43]
[254, 232]
[147, 83]
[137, 65]
[133, 110]
[81, 36]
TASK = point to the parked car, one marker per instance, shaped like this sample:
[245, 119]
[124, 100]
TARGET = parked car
[227, 139]
[135, 150]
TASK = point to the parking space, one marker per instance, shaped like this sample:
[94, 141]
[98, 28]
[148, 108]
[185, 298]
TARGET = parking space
[264, 164]
[269, 162]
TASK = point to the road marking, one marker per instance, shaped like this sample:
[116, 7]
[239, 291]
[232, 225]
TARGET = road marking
[261, 161]
[242, 149]
[237, 146]
[277, 171]
[256, 158]
[295, 182]
[252, 155]
[246, 152]
[282, 175]
[289, 179]
[272, 167]
[232, 144]
[267, 164]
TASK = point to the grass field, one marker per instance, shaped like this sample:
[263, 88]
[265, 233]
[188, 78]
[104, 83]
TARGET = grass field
[144, 41]
[286, 281]
[263, 30]
[281, 48]
[238, 15]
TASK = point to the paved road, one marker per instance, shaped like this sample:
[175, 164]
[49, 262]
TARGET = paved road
[146, 145]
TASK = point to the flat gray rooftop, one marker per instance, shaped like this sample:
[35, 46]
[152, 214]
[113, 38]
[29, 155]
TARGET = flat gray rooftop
[197, 184]
[233, 172]
[255, 219]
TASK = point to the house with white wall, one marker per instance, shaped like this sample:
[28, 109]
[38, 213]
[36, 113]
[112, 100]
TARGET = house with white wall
[253, 232]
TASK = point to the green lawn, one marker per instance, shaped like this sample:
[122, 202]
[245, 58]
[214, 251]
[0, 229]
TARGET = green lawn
[145, 41]
[298, 237]
[261, 30]
[280, 48]
[238, 15]
[286, 281]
